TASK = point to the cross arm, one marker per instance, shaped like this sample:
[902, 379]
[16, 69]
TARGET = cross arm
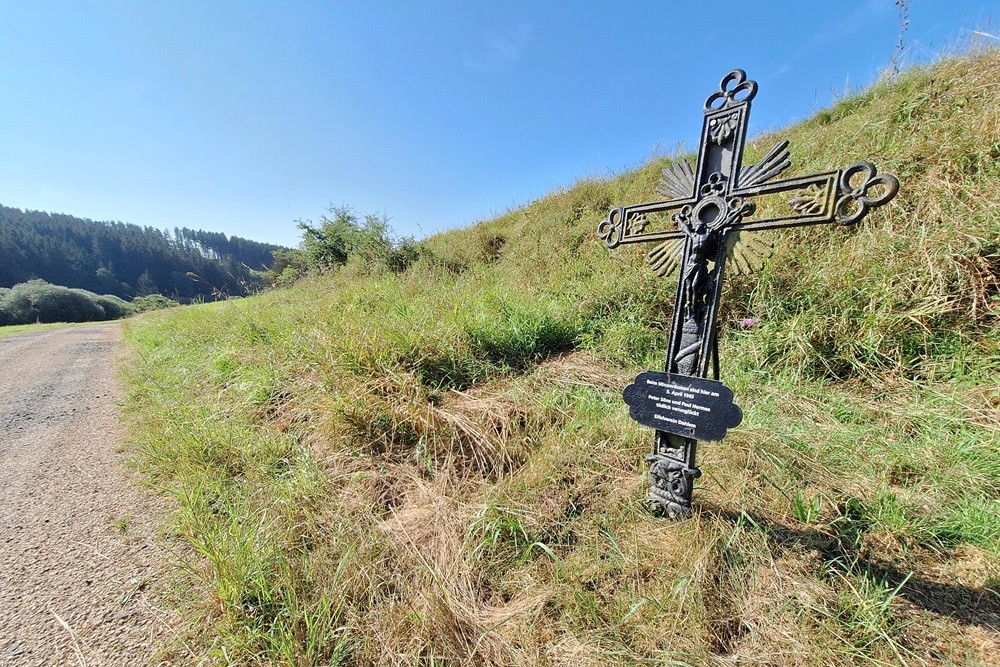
[627, 224]
[843, 196]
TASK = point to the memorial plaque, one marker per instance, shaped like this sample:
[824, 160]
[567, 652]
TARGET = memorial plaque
[683, 405]
[707, 219]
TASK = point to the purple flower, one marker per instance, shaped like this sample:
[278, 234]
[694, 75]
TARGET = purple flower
[748, 322]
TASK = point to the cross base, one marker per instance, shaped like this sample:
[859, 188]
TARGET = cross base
[670, 494]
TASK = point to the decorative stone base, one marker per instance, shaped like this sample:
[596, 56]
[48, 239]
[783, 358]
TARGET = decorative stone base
[673, 482]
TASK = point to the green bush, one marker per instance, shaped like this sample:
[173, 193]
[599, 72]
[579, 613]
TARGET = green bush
[42, 302]
[38, 301]
[114, 307]
[344, 237]
[141, 304]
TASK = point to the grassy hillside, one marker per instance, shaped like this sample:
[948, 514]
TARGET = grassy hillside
[437, 468]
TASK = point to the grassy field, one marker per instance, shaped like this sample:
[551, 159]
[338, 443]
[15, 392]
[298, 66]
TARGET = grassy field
[436, 467]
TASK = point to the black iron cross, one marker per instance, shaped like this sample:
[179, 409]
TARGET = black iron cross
[699, 226]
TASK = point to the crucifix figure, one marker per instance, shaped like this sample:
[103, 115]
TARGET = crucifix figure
[701, 224]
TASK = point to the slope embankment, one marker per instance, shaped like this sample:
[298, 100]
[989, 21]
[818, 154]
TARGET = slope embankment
[436, 466]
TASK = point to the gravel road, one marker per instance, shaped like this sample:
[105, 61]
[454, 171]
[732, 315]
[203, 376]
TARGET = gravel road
[78, 550]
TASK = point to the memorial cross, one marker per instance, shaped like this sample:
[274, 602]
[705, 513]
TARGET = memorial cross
[709, 207]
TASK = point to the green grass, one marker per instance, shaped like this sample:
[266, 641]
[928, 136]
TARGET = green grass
[436, 467]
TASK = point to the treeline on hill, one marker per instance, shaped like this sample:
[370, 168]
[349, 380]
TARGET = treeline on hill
[127, 260]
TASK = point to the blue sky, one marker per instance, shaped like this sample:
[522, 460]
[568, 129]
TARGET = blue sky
[242, 117]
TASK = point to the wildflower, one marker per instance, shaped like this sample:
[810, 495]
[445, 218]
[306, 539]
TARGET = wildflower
[748, 322]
